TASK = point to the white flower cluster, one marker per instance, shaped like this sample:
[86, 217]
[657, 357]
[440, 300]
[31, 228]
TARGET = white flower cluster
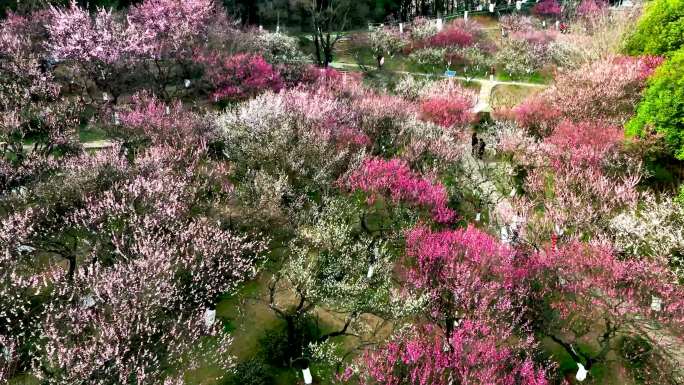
[654, 230]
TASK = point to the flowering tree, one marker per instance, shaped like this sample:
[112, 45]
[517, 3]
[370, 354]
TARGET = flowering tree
[112, 225]
[473, 288]
[99, 46]
[149, 120]
[385, 41]
[338, 263]
[30, 99]
[536, 115]
[475, 355]
[594, 91]
[118, 329]
[394, 178]
[289, 147]
[452, 113]
[242, 76]
[169, 33]
[584, 286]
[549, 8]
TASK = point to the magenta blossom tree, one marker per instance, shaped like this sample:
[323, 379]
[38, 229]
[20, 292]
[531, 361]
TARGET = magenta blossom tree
[548, 8]
[241, 76]
[585, 288]
[395, 180]
[454, 112]
[475, 353]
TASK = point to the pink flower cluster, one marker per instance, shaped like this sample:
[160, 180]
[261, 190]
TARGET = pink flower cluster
[451, 112]
[584, 143]
[547, 8]
[473, 354]
[149, 118]
[378, 176]
[242, 76]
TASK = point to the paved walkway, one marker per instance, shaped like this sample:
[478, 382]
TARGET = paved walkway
[92, 145]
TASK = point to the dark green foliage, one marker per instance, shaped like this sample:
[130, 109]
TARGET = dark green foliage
[662, 109]
[660, 30]
[282, 349]
[251, 372]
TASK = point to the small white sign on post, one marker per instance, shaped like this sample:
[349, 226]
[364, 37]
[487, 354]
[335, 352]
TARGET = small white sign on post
[581, 373]
[371, 270]
[557, 25]
[465, 15]
[307, 376]
[440, 24]
[116, 119]
[491, 7]
[209, 317]
[87, 302]
[477, 217]
[656, 303]
[505, 238]
[187, 83]
[401, 28]
[105, 97]
[544, 23]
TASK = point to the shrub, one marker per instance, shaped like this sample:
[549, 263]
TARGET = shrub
[662, 109]
[660, 30]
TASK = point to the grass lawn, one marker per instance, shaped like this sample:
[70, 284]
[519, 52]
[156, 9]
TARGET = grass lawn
[91, 135]
[505, 95]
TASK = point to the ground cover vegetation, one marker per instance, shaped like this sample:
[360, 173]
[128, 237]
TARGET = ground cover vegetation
[249, 215]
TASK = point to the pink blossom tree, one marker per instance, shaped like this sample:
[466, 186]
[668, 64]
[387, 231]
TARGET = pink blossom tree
[455, 113]
[395, 180]
[584, 287]
[30, 99]
[536, 115]
[149, 120]
[242, 76]
[99, 47]
[548, 8]
[595, 92]
[169, 33]
[475, 354]
[474, 288]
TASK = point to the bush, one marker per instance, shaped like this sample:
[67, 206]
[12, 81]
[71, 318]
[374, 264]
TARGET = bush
[660, 30]
[662, 109]
[251, 372]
